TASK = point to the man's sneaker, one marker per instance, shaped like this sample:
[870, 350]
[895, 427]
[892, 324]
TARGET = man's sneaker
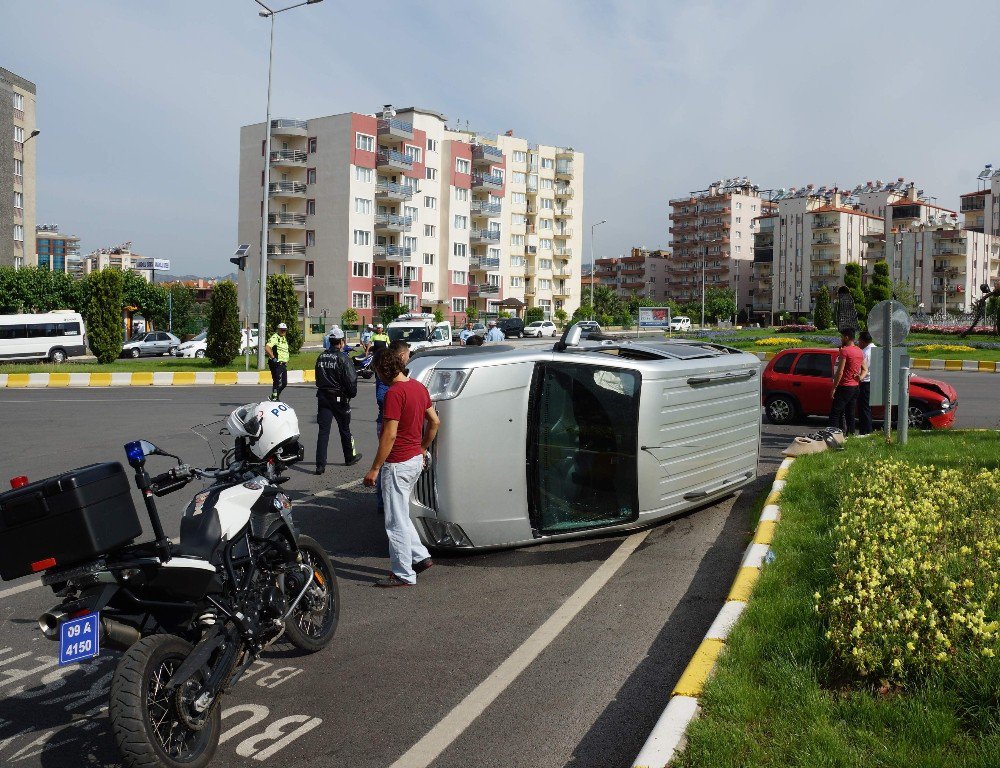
[320, 470]
[273, 397]
[423, 565]
[392, 580]
[354, 460]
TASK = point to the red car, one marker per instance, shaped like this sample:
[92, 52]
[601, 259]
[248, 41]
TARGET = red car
[797, 383]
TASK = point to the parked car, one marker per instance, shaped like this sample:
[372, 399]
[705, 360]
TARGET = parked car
[152, 343]
[680, 323]
[541, 328]
[512, 327]
[196, 347]
[582, 437]
[796, 384]
[478, 328]
[588, 327]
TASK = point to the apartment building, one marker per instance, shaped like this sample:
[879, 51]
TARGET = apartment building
[944, 264]
[642, 275]
[56, 251]
[17, 177]
[713, 229]
[981, 209]
[118, 257]
[369, 210]
[761, 300]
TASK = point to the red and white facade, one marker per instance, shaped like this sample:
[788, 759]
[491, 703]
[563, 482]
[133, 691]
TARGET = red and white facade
[366, 211]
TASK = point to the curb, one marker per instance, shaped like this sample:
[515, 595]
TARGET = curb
[933, 364]
[667, 736]
[145, 379]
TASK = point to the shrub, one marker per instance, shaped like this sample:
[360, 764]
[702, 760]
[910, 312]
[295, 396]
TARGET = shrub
[800, 328]
[222, 344]
[103, 314]
[390, 313]
[787, 341]
[560, 316]
[802, 320]
[916, 569]
[438, 315]
[534, 314]
[283, 307]
[942, 348]
[349, 318]
[879, 288]
[823, 313]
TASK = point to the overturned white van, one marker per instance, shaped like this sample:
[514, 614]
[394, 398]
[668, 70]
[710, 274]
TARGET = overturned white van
[539, 443]
[420, 330]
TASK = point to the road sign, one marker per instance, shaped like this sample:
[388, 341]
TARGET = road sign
[79, 639]
[654, 317]
[898, 320]
[157, 264]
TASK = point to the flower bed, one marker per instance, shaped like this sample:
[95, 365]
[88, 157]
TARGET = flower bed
[795, 329]
[951, 330]
[776, 342]
[937, 348]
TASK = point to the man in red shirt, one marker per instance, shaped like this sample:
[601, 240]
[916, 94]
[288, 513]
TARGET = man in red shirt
[851, 369]
[401, 454]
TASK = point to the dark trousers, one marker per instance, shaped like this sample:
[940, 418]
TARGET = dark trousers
[842, 410]
[330, 409]
[279, 377]
[865, 408]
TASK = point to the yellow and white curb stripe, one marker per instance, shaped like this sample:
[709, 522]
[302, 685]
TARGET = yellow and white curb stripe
[146, 379]
[933, 364]
[667, 737]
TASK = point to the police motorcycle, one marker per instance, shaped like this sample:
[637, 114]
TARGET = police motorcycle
[191, 617]
[363, 361]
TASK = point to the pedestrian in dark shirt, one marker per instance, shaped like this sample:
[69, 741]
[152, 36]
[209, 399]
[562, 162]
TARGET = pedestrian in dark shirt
[336, 385]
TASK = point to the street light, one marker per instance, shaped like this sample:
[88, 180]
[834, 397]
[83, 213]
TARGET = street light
[593, 269]
[24, 156]
[267, 13]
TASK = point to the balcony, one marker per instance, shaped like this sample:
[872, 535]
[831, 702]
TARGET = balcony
[491, 181]
[563, 191]
[974, 203]
[484, 154]
[634, 285]
[820, 224]
[529, 289]
[563, 232]
[483, 236]
[287, 189]
[394, 131]
[285, 250]
[484, 208]
[824, 255]
[391, 222]
[562, 291]
[484, 289]
[391, 160]
[564, 170]
[286, 220]
[484, 263]
[823, 241]
[386, 190]
[288, 158]
[561, 252]
[395, 254]
[390, 284]
[562, 272]
[285, 127]
[564, 212]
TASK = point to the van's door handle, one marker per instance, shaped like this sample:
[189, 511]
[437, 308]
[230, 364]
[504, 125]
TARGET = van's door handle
[725, 378]
[702, 494]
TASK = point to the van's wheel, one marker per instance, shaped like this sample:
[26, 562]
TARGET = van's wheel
[134, 352]
[780, 409]
[57, 356]
[151, 726]
[200, 353]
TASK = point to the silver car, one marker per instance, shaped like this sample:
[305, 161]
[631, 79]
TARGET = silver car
[151, 343]
[539, 444]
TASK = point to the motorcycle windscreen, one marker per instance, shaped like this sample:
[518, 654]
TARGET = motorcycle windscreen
[583, 426]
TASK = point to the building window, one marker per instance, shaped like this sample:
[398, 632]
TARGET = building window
[545, 244]
[494, 253]
[516, 282]
[410, 212]
[312, 144]
[737, 219]
[310, 237]
[427, 287]
[18, 200]
[429, 230]
[428, 259]
[546, 203]
[19, 101]
[361, 269]
[460, 249]
[432, 145]
[518, 220]
[517, 177]
[462, 165]
[410, 243]
[18, 133]
[362, 205]
[543, 284]
[361, 300]
[461, 194]
[520, 156]
[547, 162]
[18, 168]
[19, 232]
[738, 205]
[310, 175]
[517, 261]
[366, 175]
[545, 263]
[416, 154]
[365, 142]
[310, 207]
[461, 222]
[458, 277]
[518, 198]
[458, 305]
[547, 184]
[362, 237]
[430, 202]
[431, 174]
[545, 223]
[517, 241]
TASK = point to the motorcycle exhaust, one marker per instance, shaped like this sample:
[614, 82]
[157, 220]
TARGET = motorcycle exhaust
[114, 634]
[49, 623]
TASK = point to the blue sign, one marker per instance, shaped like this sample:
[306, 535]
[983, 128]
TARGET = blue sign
[79, 639]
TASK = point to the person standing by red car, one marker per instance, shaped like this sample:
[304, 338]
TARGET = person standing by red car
[851, 369]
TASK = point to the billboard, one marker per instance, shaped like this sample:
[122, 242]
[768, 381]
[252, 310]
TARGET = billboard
[654, 317]
[158, 264]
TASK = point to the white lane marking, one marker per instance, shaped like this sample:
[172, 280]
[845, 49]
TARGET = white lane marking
[19, 588]
[425, 751]
[113, 401]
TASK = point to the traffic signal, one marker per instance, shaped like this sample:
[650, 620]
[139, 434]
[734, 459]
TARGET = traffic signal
[240, 259]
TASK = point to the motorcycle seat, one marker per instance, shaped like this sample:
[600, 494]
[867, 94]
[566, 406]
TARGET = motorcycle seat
[200, 535]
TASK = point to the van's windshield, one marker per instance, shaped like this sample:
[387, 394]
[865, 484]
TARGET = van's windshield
[417, 333]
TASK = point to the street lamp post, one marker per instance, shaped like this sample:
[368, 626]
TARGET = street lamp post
[593, 266]
[267, 13]
[24, 233]
[704, 258]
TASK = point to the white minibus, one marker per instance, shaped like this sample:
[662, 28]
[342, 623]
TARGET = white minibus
[51, 336]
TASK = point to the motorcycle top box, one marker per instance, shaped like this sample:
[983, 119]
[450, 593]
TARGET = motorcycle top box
[66, 519]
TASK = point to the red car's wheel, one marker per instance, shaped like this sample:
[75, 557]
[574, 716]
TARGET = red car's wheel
[917, 417]
[780, 409]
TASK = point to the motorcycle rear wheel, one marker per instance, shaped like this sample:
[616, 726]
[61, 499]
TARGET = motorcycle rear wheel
[313, 623]
[147, 728]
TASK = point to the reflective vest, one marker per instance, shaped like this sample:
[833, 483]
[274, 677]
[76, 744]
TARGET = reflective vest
[279, 347]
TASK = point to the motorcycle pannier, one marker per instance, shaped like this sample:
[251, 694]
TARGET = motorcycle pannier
[66, 519]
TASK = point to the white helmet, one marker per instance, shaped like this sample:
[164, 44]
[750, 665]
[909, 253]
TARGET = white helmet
[266, 426]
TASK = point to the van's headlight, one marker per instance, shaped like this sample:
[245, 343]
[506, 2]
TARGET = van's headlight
[446, 384]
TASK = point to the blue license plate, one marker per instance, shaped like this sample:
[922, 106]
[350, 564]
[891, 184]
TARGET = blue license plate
[79, 638]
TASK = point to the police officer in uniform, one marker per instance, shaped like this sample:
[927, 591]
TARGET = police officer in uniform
[277, 359]
[380, 339]
[336, 385]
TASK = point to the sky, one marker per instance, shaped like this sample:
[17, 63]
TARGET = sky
[140, 102]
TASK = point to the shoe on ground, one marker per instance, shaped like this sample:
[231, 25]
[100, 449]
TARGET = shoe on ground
[423, 565]
[392, 580]
[354, 460]
[320, 470]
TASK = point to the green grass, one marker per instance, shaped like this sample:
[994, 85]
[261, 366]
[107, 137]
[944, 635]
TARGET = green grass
[774, 702]
[302, 360]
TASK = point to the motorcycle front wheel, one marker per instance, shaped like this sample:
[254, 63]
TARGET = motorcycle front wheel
[313, 622]
[147, 725]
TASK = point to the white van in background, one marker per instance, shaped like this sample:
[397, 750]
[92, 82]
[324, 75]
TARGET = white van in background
[52, 336]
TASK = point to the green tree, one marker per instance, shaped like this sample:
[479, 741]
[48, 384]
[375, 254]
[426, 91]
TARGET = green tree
[720, 303]
[149, 299]
[852, 279]
[349, 318]
[624, 318]
[38, 290]
[390, 313]
[223, 341]
[472, 312]
[534, 314]
[103, 314]
[283, 307]
[505, 313]
[560, 315]
[904, 294]
[879, 288]
[606, 301]
[822, 312]
[438, 315]
[181, 307]
[583, 312]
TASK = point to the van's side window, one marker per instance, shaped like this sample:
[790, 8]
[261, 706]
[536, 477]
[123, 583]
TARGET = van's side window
[13, 332]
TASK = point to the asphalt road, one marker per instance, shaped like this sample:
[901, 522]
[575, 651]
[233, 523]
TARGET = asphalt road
[403, 661]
